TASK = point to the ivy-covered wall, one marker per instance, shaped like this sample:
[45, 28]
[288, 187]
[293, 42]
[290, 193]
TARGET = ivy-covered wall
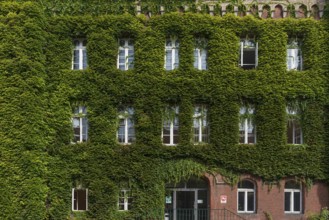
[38, 91]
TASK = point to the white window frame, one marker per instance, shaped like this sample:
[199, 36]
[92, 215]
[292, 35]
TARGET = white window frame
[202, 54]
[245, 192]
[295, 45]
[175, 111]
[247, 123]
[198, 119]
[246, 44]
[73, 200]
[174, 48]
[128, 64]
[126, 198]
[80, 46]
[126, 115]
[293, 122]
[81, 115]
[292, 200]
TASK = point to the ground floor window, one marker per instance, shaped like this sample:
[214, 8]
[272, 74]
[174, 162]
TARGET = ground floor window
[292, 197]
[125, 200]
[79, 199]
[246, 196]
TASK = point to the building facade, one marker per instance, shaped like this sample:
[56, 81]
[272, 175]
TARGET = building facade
[163, 110]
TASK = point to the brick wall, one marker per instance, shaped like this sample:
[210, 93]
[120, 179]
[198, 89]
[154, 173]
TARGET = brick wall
[269, 198]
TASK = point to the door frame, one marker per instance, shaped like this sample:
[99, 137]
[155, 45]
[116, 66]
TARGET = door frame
[195, 205]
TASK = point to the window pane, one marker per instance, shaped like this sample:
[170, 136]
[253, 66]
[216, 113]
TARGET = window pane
[250, 200]
[76, 59]
[80, 199]
[84, 58]
[168, 59]
[249, 57]
[297, 202]
[166, 139]
[287, 200]
[121, 131]
[130, 58]
[176, 58]
[298, 133]
[251, 133]
[76, 129]
[75, 200]
[245, 184]
[204, 56]
[290, 132]
[84, 129]
[131, 131]
[292, 59]
[241, 201]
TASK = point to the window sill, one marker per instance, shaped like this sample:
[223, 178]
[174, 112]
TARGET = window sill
[246, 212]
[293, 213]
[170, 145]
[124, 143]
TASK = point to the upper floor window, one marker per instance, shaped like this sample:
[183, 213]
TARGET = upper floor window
[126, 54]
[170, 125]
[200, 54]
[247, 126]
[80, 124]
[79, 199]
[79, 54]
[292, 197]
[126, 132]
[294, 128]
[294, 55]
[200, 124]
[125, 200]
[248, 54]
[246, 196]
[172, 53]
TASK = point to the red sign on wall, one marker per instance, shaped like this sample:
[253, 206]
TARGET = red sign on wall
[223, 199]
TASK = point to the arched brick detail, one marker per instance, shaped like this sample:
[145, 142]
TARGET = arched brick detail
[278, 12]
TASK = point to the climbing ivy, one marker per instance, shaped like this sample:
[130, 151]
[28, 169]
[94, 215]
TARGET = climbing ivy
[38, 90]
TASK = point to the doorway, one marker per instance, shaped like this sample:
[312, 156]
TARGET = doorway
[187, 200]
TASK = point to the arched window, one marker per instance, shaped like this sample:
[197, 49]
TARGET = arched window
[246, 196]
[292, 197]
[302, 11]
[241, 10]
[266, 11]
[254, 10]
[315, 12]
[278, 12]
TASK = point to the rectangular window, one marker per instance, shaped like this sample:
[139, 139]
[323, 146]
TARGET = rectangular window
[294, 55]
[248, 54]
[247, 126]
[79, 54]
[79, 199]
[170, 126]
[200, 124]
[294, 128]
[80, 124]
[172, 53]
[126, 54]
[200, 54]
[126, 132]
[125, 200]
[292, 201]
